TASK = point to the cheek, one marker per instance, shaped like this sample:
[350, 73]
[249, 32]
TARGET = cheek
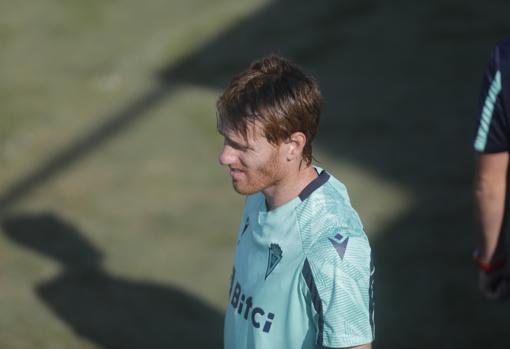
[264, 161]
[244, 162]
[272, 164]
[251, 161]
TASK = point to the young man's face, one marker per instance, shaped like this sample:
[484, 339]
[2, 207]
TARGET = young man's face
[254, 163]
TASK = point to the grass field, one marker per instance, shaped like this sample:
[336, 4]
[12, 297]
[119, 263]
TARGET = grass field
[117, 223]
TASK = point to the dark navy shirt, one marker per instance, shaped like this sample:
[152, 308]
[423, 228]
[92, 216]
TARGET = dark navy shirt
[493, 121]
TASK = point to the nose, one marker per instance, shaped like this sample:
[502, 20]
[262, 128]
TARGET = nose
[227, 155]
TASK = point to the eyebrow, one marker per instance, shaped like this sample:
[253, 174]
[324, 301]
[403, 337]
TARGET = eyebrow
[236, 144]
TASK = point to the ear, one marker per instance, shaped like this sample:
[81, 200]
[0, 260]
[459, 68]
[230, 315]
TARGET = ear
[295, 145]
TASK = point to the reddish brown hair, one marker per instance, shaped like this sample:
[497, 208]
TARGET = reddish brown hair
[278, 94]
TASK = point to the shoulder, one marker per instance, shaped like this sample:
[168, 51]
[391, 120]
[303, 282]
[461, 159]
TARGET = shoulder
[500, 55]
[503, 44]
[332, 232]
[327, 209]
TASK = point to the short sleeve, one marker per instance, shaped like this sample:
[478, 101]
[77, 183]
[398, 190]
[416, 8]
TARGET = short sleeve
[341, 291]
[492, 130]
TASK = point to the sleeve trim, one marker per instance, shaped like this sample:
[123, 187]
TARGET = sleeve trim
[343, 342]
[487, 112]
[316, 300]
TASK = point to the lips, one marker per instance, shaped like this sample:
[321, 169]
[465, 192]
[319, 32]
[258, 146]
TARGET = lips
[235, 173]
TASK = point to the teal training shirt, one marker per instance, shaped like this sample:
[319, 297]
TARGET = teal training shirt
[303, 274]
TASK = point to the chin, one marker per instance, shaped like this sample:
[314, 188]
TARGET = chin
[245, 190]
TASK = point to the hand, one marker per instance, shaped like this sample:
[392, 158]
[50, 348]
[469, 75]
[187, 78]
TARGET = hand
[494, 284]
[494, 277]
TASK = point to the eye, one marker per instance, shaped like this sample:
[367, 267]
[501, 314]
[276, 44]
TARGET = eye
[235, 145]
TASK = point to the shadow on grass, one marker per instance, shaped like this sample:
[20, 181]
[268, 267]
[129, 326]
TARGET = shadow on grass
[211, 65]
[108, 310]
[400, 84]
[400, 81]
[83, 146]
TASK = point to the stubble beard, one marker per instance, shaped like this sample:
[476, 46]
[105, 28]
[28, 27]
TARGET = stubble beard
[261, 178]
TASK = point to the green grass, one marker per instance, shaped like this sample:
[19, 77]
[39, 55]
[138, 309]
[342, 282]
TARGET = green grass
[152, 200]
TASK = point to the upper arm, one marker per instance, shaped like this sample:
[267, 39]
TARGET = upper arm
[339, 275]
[491, 168]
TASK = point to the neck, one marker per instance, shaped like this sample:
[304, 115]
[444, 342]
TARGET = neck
[289, 187]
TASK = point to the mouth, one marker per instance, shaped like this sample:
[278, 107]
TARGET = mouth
[235, 172]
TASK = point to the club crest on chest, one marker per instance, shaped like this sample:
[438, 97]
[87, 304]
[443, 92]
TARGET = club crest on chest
[274, 257]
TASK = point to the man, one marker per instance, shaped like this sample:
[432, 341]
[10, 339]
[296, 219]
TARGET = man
[302, 275]
[492, 143]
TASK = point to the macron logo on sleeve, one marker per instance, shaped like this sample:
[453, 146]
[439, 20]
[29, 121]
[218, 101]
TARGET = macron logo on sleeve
[339, 242]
